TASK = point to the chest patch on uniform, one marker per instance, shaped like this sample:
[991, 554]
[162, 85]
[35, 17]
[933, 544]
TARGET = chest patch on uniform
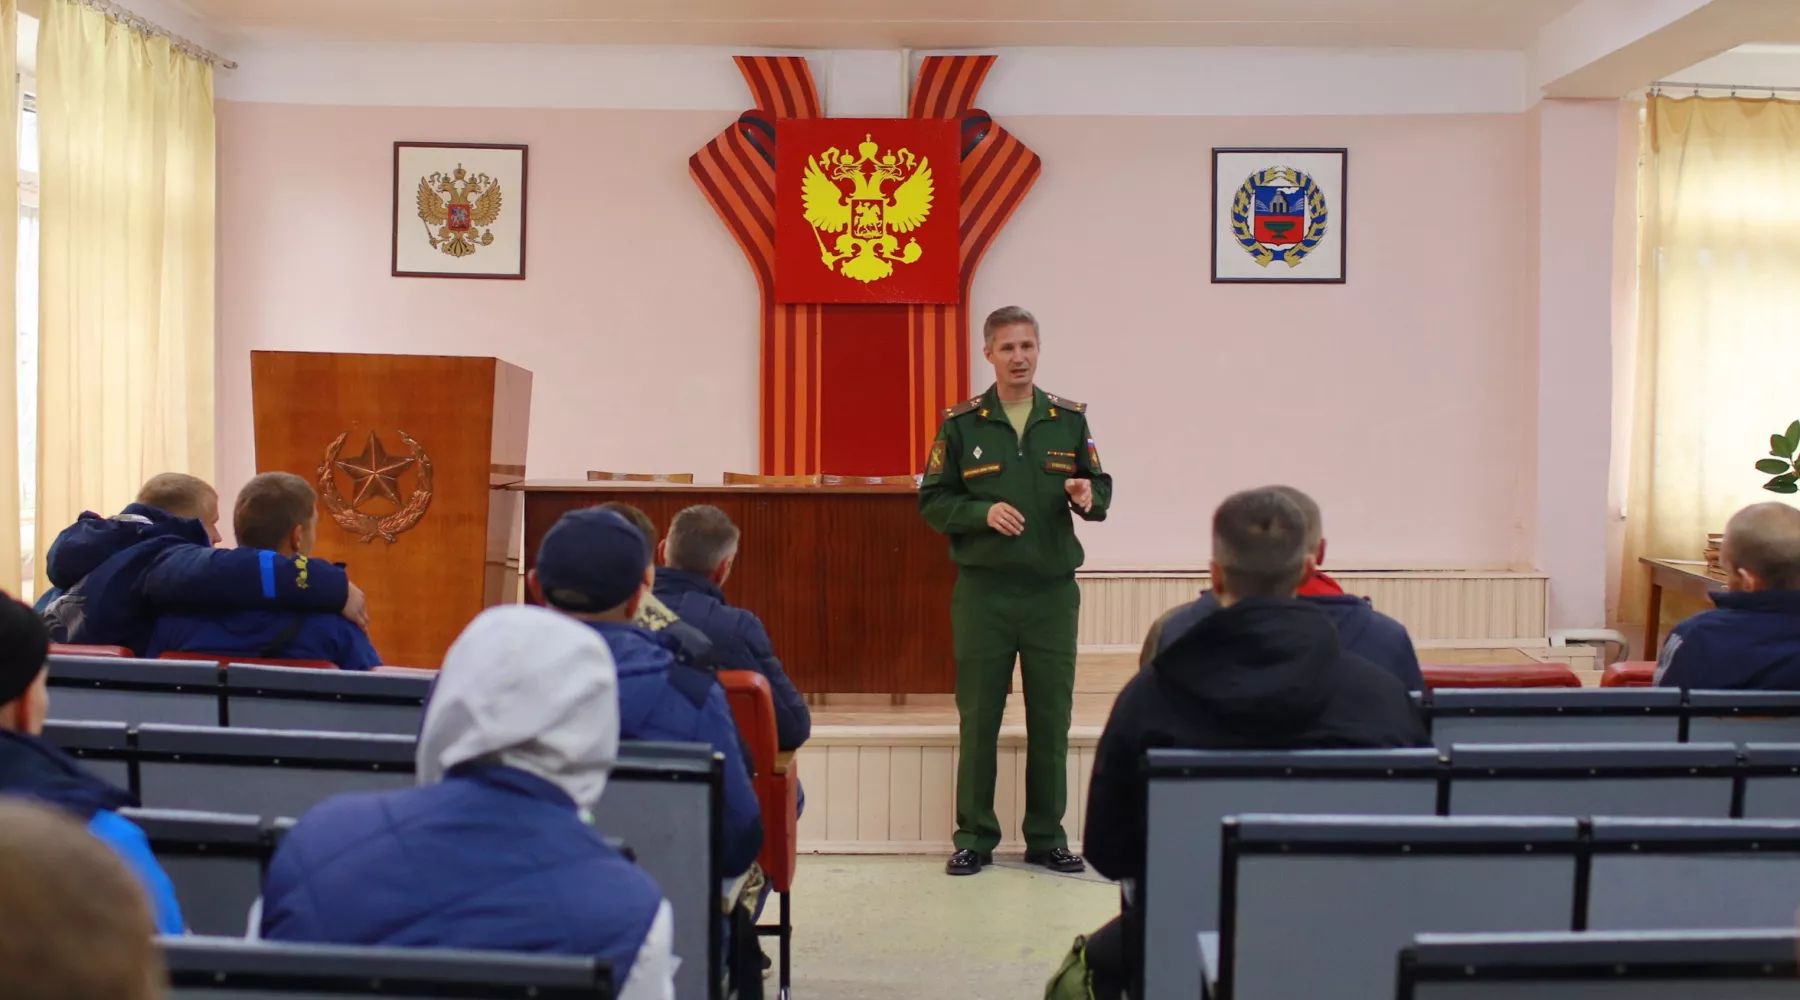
[977, 451]
[1093, 455]
[1065, 465]
[934, 463]
[1061, 454]
[977, 471]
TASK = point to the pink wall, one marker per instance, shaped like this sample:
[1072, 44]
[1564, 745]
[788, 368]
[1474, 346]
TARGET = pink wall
[1406, 399]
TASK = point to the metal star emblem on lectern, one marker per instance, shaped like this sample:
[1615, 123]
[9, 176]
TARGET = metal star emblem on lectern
[375, 474]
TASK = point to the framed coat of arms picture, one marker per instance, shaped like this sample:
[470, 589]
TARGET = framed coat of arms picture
[459, 210]
[1278, 215]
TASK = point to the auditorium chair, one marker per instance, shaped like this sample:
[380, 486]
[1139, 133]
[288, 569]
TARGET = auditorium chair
[753, 479]
[831, 480]
[1520, 675]
[1188, 794]
[133, 691]
[336, 701]
[1672, 874]
[264, 772]
[660, 802]
[216, 862]
[104, 748]
[777, 788]
[1771, 781]
[225, 660]
[684, 478]
[1649, 965]
[77, 649]
[1320, 906]
[1629, 674]
[222, 969]
[1744, 716]
[1583, 715]
[1695, 780]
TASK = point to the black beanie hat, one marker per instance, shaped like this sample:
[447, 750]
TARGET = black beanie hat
[23, 646]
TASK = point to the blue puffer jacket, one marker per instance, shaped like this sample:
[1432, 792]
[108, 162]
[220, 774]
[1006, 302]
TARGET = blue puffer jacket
[739, 643]
[661, 700]
[32, 768]
[490, 858]
[286, 635]
[1749, 642]
[80, 548]
[1361, 630]
[121, 598]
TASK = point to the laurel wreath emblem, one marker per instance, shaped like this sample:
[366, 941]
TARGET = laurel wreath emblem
[1317, 216]
[367, 527]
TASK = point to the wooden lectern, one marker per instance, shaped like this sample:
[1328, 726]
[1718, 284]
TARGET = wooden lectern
[411, 456]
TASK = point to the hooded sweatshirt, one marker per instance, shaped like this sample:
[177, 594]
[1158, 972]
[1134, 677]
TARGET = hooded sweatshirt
[1361, 629]
[1263, 674]
[1749, 642]
[491, 851]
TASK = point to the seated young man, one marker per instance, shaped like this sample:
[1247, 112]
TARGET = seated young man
[168, 504]
[491, 850]
[1266, 671]
[595, 567]
[653, 614]
[33, 768]
[1751, 640]
[1363, 630]
[697, 558]
[277, 518]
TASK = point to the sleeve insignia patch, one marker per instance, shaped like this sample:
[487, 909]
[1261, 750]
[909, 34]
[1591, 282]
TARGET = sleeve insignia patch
[1093, 455]
[978, 471]
[934, 463]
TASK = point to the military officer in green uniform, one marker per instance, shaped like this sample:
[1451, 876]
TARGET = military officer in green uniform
[1005, 478]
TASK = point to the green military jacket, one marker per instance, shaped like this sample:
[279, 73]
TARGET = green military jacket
[978, 460]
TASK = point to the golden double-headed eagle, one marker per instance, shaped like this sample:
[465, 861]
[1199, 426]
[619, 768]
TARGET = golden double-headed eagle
[867, 250]
[457, 209]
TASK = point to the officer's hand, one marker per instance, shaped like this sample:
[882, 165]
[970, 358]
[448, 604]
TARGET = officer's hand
[1006, 519]
[1081, 491]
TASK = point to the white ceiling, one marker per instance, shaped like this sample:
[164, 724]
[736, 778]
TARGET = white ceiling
[918, 24]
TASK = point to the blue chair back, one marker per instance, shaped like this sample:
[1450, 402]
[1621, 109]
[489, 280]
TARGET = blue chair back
[1560, 715]
[332, 701]
[1647, 779]
[113, 689]
[215, 860]
[220, 969]
[264, 772]
[1716, 965]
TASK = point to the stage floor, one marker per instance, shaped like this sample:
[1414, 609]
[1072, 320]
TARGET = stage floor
[1098, 679]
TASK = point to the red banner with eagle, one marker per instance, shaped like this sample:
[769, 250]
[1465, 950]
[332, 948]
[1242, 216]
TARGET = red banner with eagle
[866, 210]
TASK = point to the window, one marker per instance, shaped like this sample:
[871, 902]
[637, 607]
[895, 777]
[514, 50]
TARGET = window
[27, 337]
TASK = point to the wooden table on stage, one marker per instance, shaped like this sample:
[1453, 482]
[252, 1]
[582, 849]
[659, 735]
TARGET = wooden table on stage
[852, 585]
[1680, 575]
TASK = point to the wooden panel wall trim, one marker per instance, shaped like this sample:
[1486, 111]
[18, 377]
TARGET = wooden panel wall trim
[853, 587]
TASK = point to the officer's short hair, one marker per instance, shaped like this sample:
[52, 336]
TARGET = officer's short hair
[178, 493]
[77, 922]
[1259, 540]
[701, 538]
[1006, 316]
[1309, 509]
[1764, 538]
[637, 517]
[269, 506]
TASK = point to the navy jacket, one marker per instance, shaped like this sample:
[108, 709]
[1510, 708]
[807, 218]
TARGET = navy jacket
[491, 858]
[664, 701]
[31, 767]
[121, 598]
[739, 642]
[1749, 642]
[1361, 630]
[80, 548]
[286, 635]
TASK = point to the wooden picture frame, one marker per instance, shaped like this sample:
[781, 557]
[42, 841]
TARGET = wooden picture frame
[1279, 215]
[478, 227]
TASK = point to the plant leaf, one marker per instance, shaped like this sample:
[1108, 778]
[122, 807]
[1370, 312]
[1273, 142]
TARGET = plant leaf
[1772, 466]
[1778, 486]
[1793, 436]
[1787, 477]
[1778, 446]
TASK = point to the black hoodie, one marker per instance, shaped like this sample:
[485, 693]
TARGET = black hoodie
[1263, 674]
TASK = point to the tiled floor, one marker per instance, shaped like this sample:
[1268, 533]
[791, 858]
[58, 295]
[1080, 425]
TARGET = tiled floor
[898, 928]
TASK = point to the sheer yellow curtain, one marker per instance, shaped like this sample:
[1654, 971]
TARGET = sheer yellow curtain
[11, 537]
[125, 330]
[1718, 319]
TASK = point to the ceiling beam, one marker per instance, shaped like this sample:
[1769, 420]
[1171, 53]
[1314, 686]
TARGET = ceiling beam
[1610, 48]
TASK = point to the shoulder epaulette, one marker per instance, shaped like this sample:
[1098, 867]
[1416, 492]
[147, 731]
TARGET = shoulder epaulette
[962, 407]
[1067, 404]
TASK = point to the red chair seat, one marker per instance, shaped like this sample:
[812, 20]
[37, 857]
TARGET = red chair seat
[260, 661]
[753, 708]
[74, 649]
[1522, 675]
[1629, 674]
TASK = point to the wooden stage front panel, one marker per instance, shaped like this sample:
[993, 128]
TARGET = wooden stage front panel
[853, 586]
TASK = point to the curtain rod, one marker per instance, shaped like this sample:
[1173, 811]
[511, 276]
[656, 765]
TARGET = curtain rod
[149, 27]
[1733, 87]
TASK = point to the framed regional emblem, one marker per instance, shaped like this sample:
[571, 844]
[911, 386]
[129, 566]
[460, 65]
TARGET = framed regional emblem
[1278, 215]
[459, 210]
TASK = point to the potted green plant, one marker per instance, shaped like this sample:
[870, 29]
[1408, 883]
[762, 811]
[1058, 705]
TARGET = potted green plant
[1780, 462]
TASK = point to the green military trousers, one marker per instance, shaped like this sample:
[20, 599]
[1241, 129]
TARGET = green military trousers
[998, 617]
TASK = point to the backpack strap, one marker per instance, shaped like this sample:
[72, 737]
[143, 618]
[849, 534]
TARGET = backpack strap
[275, 647]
